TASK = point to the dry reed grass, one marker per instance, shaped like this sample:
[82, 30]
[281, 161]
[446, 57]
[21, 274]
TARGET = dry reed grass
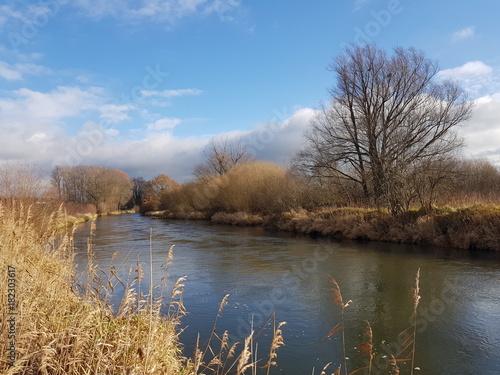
[406, 339]
[224, 358]
[237, 218]
[61, 332]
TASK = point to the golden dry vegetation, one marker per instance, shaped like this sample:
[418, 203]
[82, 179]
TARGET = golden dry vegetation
[61, 331]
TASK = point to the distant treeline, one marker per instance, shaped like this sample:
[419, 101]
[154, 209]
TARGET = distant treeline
[82, 188]
[105, 188]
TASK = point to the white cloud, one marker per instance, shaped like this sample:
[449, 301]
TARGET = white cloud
[31, 117]
[64, 101]
[477, 78]
[164, 123]
[37, 137]
[8, 73]
[223, 8]
[82, 79]
[16, 72]
[32, 69]
[112, 113]
[360, 4]
[147, 157]
[9, 13]
[482, 131]
[468, 70]
[167, 11]
[111, 132]
[463, 34]
[160, 98]
[170, 93]
[32, 128]
[281, 138]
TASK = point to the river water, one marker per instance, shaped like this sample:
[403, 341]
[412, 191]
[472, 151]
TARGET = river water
[458, 326]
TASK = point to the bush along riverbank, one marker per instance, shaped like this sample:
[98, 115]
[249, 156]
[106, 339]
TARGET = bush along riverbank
[469, 228]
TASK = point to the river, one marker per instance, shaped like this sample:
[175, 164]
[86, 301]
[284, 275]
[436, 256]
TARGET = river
[458, 327]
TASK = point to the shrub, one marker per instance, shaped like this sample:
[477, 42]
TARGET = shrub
[257, 187]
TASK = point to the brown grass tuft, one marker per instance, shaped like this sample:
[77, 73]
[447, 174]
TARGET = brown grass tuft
[275, 344]
[337, 298]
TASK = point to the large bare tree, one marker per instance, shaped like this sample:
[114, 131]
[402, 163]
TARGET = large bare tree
[387, 118]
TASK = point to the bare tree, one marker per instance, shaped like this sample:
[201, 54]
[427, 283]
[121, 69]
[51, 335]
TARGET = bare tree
[221, 156]
[21, 180]
[138, 190]
[388, 117]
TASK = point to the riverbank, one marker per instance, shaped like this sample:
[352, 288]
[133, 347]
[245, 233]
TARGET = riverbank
[468, 228]
[68, 221]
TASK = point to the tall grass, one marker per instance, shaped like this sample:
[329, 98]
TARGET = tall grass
[60, 331]
[218, 356]
[337, 298]
[406, 341]
[255, 187]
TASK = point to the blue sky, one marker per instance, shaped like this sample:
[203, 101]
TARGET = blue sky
[144, 85]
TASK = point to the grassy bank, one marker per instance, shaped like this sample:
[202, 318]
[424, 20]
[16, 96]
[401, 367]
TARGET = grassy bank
[463, 213]
[469, 228]
[49, 328]
[69, 221]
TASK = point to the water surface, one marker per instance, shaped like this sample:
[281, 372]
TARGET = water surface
[264, 271]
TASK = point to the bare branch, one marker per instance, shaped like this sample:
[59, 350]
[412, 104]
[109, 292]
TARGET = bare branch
[221, 156]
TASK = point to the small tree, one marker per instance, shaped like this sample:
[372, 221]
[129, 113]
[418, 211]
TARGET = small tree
[154, 190]
[387, 119]
[221, 156]
[139, 185]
